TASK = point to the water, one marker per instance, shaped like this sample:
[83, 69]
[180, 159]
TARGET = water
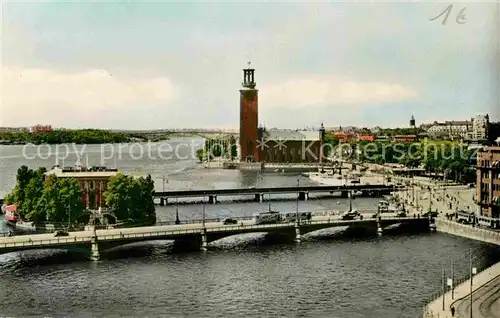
[390, 276]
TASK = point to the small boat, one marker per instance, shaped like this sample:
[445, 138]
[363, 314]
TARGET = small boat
[11, 217]
[25, 226]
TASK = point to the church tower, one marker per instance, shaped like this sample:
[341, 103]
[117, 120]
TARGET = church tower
[412, 122]
[249, 117]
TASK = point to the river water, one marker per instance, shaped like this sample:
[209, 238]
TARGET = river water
[388, 276]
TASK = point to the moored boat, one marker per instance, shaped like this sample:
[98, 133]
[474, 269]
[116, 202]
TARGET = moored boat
[10, 215]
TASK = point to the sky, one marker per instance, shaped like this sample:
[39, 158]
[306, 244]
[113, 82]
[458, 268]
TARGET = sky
[160, 65]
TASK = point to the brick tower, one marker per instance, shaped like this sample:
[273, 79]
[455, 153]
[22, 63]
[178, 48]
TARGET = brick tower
[249, 117]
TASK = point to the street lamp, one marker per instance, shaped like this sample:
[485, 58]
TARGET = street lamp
[473, 272]
[204, 205]
[177, 221]
[298, 194]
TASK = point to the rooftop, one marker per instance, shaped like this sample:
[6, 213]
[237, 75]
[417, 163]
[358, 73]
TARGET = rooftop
[301, 135]
[82, 172]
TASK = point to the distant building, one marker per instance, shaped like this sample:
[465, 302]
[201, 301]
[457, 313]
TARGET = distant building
[480, 125]
[13, 129]
[93, 182]
[488, 182]
[345, 136]
[368, 137]
[412, 122]
[40, 129]
[451, 129]
[405, 138]
[475, 129]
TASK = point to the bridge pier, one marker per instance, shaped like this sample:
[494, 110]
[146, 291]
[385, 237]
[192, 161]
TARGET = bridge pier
[379, 226]
[212, 199]
[259, 197]
[204, 244]
[162, 201]
[94, 249]
[297, 233]
[303, 195]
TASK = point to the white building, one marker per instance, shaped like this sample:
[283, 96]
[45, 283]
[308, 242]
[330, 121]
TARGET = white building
[480, 127]
[451, 129]
[474, 129]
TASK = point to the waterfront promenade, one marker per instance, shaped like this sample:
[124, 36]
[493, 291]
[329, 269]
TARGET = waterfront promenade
[485, 297]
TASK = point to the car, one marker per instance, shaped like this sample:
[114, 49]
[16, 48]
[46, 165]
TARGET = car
[229, 221]
[347, 217]
[61, 233]
[401, 215]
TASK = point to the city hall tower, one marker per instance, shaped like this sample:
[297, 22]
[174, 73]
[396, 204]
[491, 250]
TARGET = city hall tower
[249, 117]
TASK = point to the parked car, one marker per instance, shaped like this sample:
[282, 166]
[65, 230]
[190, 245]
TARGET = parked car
[61, 233]
[229, 221]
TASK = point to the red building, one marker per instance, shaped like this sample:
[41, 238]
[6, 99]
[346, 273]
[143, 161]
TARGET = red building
[405, 138]
[344, 136]
[249, 117]
[370, 138]
[291, 146]
[93, 182]
[40, 129]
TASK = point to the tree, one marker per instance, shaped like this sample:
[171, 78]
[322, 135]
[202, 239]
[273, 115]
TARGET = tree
[131, 198]
[200, 154]
[330, 141]
[233, 151]
[32, 205]
[117, 196]
[62, 200]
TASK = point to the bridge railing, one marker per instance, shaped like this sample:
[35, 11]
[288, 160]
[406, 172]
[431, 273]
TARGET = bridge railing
[225, 228]
[236, 228]
[47, 241]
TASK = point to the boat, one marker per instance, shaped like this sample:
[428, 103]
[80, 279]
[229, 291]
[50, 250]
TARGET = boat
[25, 226]
[327, 178]
[10, 215]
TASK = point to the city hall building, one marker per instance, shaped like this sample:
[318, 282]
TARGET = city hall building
[257, 144]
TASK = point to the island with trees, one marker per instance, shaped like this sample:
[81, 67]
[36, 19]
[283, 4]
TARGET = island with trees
[63, 136]
[46, 199]
[76, 136]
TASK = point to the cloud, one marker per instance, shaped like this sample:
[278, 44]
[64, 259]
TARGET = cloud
[329, 91]
[41, 92]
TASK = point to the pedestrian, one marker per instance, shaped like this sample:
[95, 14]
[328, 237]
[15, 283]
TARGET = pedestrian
[453, 311]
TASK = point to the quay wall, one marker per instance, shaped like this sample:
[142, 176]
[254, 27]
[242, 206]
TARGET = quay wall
[464, 230]
[435, 308]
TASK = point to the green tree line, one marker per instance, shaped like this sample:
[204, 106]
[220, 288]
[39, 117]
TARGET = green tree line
[62, 136]
[43, 199]
[438, 157]
[218, 147]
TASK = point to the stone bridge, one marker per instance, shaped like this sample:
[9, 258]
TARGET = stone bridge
[200, 132]
[196, 235]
